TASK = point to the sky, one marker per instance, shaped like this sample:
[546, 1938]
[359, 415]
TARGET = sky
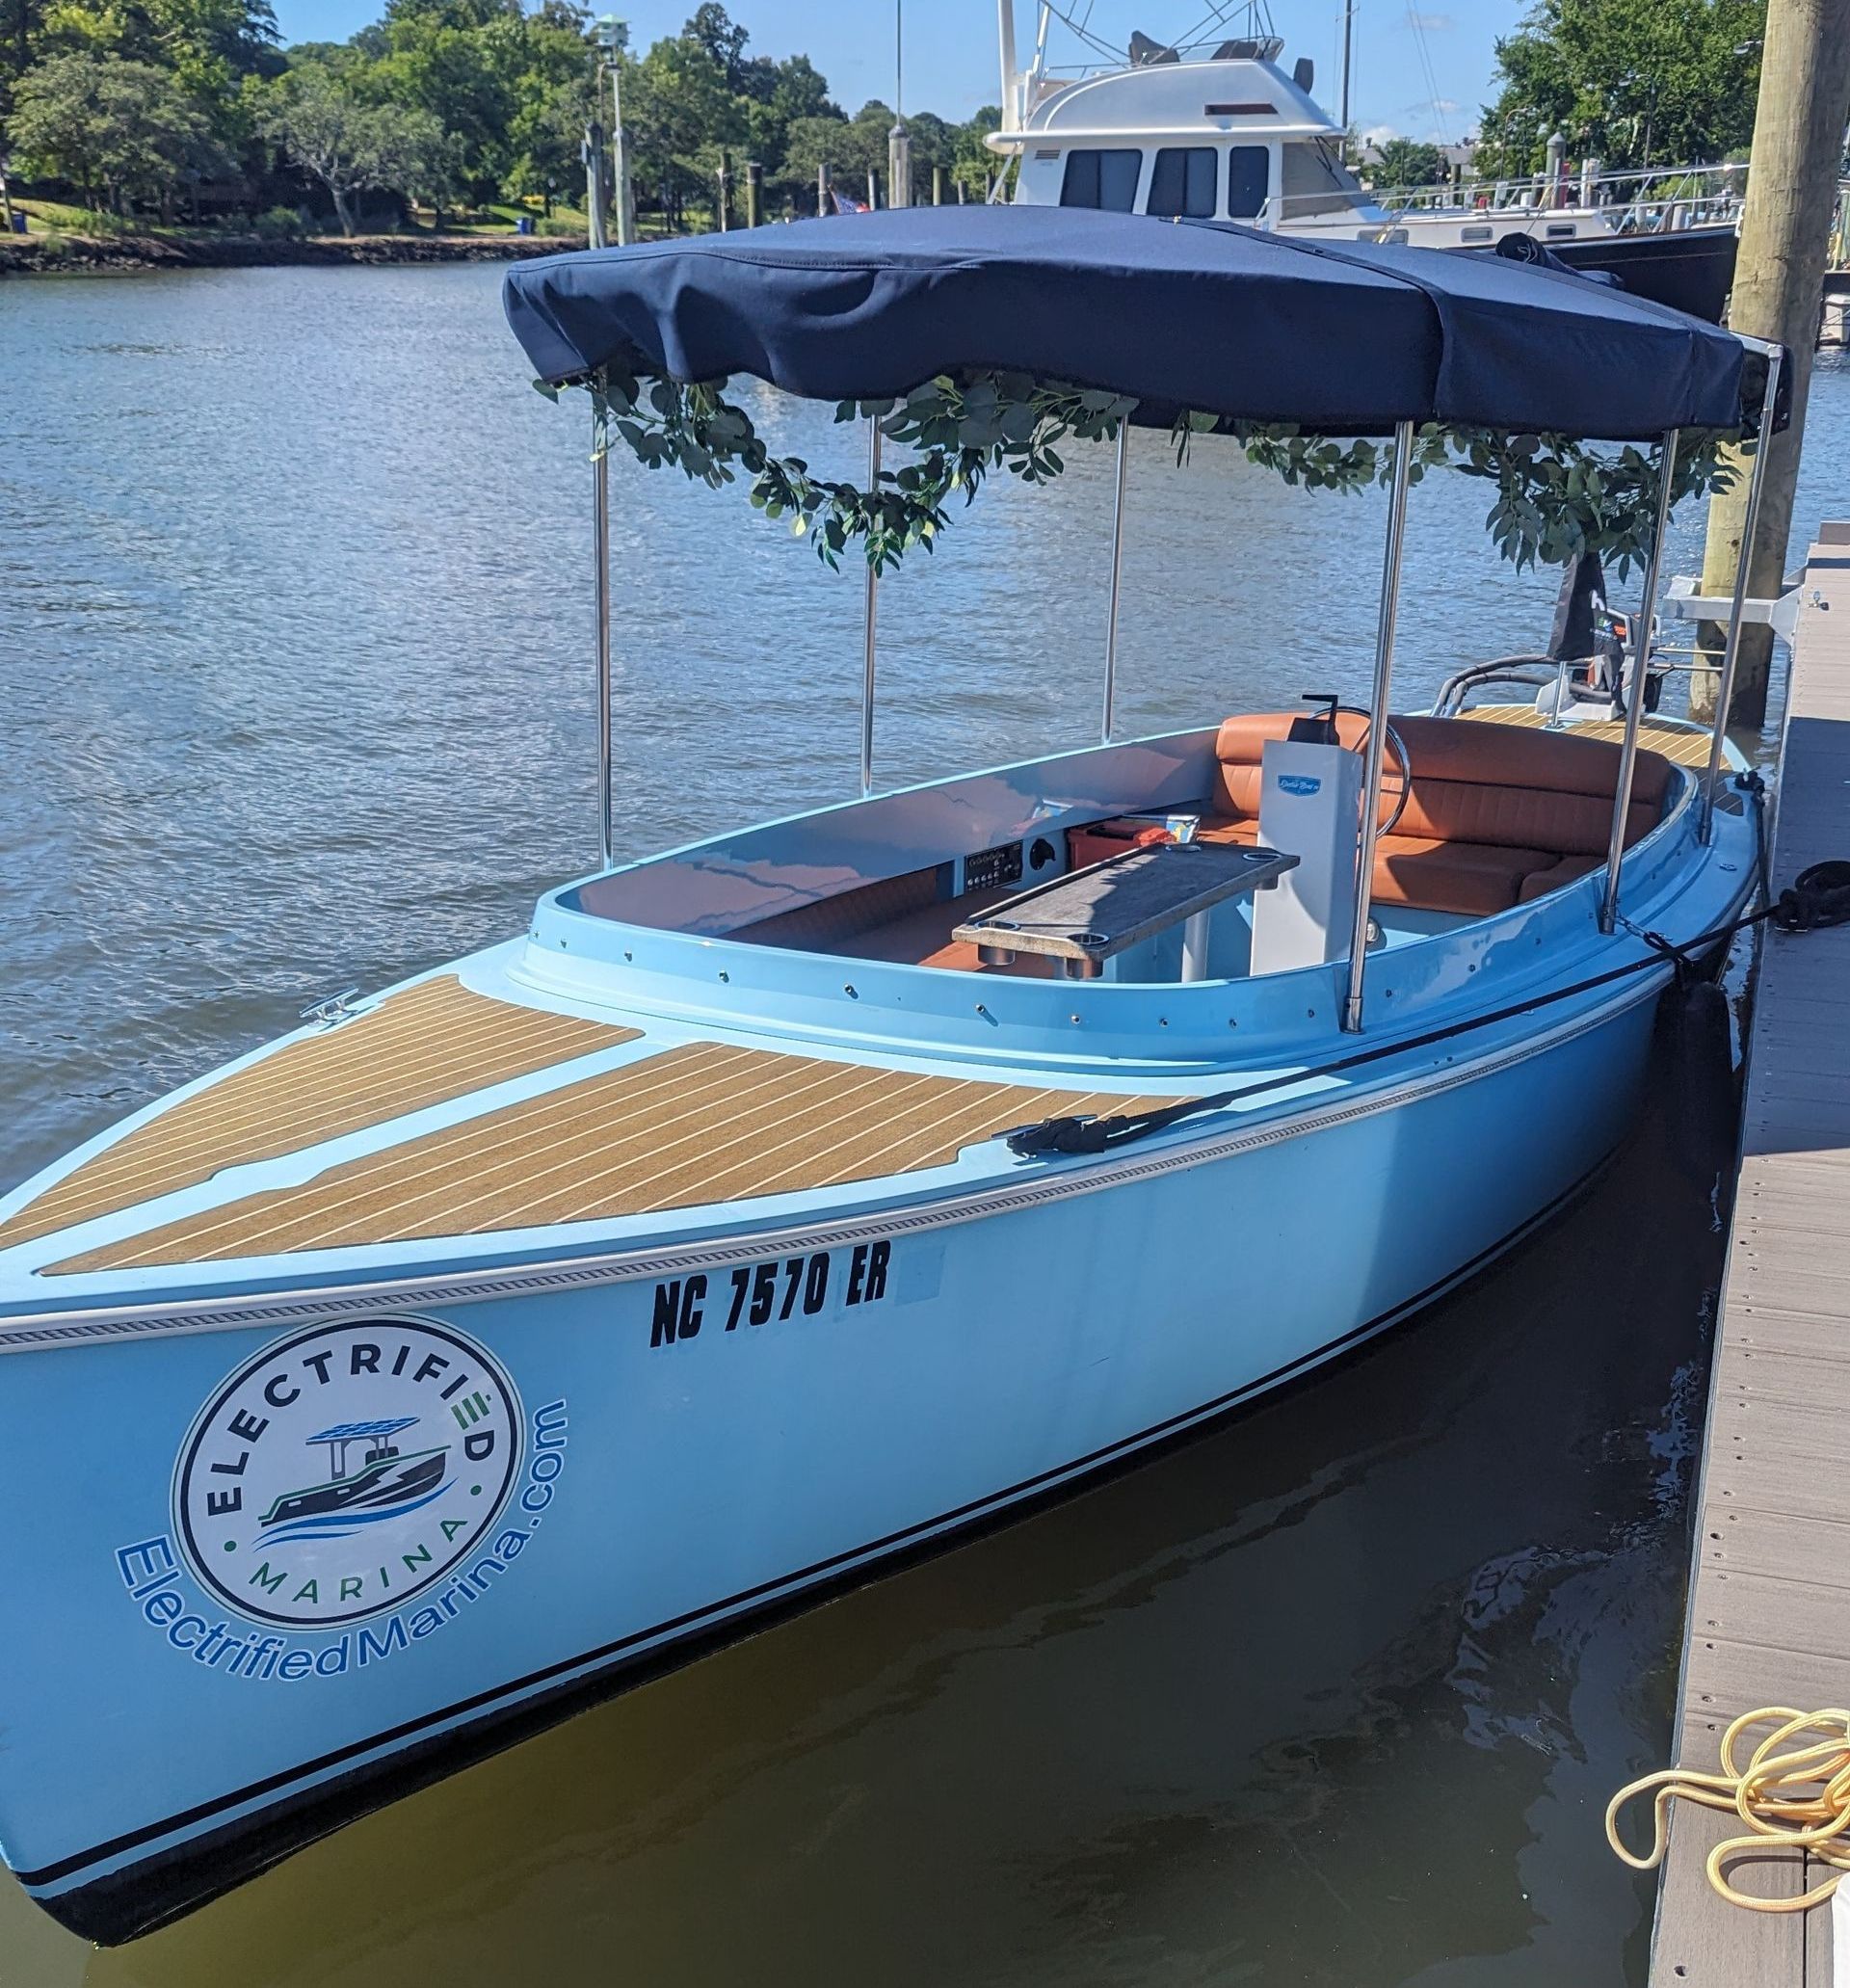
[951, 64]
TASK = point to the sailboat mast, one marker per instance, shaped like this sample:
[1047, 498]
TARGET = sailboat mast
[1005, 29]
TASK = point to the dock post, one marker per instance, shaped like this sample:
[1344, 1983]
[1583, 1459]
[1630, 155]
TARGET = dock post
[1370, 823]
[1109, 720]
[1779, 275]
[1640, 685]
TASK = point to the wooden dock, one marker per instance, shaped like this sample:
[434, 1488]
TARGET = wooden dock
[1769, 1605]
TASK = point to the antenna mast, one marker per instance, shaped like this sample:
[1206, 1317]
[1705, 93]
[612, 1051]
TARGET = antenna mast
[1348, 37]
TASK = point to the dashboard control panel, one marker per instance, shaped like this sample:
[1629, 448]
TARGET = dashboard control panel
[990, 869]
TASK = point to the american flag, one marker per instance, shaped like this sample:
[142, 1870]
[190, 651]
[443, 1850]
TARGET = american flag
[846, 203]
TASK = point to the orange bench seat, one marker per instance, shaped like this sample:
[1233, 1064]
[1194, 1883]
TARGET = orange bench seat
[1496, 814]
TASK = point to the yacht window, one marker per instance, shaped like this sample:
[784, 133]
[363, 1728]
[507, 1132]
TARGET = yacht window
[1102, 180]
[1475, 235]
[1183, 182]
[1560, 230]
[1248, 170]
[1316, 181]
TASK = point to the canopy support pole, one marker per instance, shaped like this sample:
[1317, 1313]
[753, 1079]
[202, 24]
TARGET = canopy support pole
[1640, 683]
[872, 603]
[600, 541]
[1731, 652]
[1109, 720]
[1378, 706]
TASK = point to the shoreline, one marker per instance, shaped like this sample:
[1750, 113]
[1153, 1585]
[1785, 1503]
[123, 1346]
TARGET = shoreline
[54, 254]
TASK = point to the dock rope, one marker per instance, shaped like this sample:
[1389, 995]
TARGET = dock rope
[1792, 1794]
[1817, 897]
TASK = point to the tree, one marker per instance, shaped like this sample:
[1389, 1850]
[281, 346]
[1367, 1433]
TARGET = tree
[1629, 81]
[350, 146]
[975, 161]
[1403, 162]
[553, 103]
[723, 41]
[676, 104]
[123, 130]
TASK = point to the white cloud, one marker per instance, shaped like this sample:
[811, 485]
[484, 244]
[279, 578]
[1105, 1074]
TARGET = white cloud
[1379, 134]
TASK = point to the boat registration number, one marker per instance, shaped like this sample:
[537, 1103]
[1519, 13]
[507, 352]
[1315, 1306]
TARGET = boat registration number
[760, 1294]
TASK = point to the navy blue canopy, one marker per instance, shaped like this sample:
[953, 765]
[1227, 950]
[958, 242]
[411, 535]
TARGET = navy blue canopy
[1344, 339]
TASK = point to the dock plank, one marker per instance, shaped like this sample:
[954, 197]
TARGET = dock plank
[1769, 1603]
[1777, 1546]
[1701, 1943]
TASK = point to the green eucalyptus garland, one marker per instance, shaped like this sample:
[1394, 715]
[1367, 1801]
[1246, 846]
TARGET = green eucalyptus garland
[1555, 497]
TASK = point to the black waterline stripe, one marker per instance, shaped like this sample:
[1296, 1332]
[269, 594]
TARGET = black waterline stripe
[50, 1873]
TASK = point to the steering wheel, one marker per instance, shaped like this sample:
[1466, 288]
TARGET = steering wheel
[1392, 742]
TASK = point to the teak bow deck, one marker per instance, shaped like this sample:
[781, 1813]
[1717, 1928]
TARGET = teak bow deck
[681, 1128]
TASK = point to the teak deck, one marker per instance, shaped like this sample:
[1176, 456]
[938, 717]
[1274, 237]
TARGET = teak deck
[697, 1123]
[1769, 1605]
[1683, 748]
[425, 1046]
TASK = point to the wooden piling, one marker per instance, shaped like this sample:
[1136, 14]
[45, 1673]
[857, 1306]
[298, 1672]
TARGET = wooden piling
[1791, 187]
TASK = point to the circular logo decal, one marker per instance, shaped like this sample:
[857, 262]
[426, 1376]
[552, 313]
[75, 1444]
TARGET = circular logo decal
[343, 1470]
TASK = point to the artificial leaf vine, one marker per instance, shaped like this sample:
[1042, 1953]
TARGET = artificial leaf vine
[1555, 497]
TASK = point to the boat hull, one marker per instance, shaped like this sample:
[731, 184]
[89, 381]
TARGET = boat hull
[1688, 269]
[639, 1467]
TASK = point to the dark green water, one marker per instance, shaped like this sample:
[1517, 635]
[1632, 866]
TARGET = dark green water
[294, 693]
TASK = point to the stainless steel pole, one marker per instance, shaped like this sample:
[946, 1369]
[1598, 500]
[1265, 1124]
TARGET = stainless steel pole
[1731, 652]
[1110, 718]
[872, 602]
[1640, 679]
[601, 589]
[1377, 704]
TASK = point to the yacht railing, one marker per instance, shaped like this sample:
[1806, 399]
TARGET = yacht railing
[1661, 202]
[1657, 201]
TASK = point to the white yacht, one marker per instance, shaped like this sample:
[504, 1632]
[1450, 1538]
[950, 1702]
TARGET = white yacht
[1216, 130]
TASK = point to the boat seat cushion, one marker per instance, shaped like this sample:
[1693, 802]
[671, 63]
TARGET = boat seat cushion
[1496, 814]
[1469, 879]
[1567, 869]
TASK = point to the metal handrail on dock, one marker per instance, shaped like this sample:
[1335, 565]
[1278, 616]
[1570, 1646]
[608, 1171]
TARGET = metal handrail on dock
[1769, 1603]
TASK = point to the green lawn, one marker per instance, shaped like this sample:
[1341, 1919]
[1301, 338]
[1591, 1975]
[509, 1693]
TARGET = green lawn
[44, 217]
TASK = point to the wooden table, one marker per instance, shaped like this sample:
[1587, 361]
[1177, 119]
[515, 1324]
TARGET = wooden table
[1084, 917]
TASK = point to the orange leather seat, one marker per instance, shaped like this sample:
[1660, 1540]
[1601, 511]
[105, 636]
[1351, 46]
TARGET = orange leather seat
[1468, 877]
[1496, 814]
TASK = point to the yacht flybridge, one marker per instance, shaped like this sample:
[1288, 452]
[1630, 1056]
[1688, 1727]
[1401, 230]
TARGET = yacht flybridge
[1214, 129]
[808, 1194]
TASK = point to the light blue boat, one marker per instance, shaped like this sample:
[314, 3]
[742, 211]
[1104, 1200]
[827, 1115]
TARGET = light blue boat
[800, 1198]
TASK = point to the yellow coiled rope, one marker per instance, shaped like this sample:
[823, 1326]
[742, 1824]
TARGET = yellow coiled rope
[1793, 1791]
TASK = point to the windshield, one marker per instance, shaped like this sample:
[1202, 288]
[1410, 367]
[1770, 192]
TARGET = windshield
[1314, 180]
